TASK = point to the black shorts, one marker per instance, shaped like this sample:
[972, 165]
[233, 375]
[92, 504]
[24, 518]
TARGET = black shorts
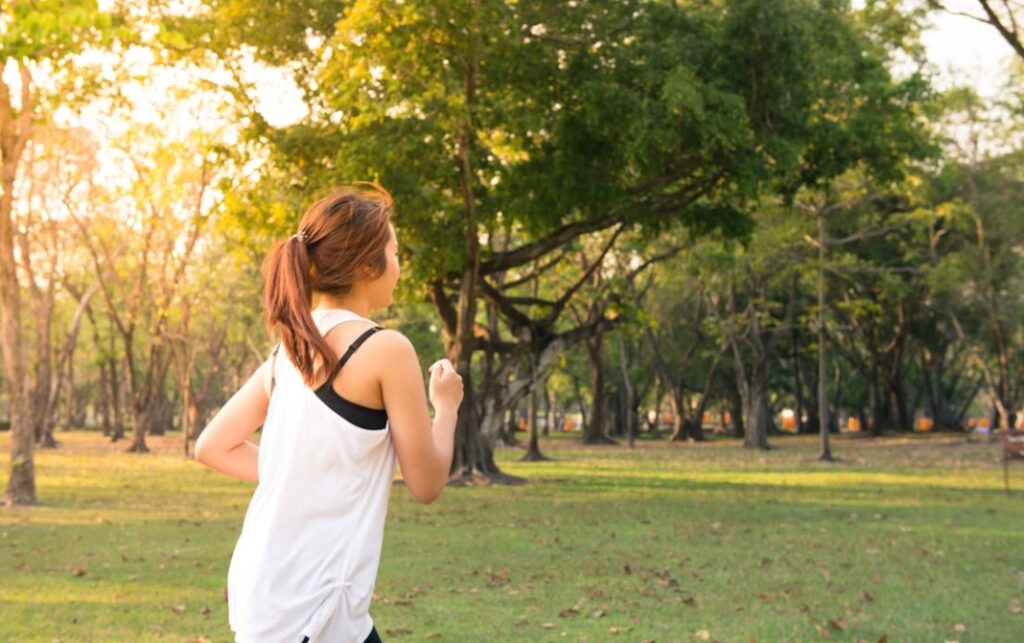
[372, 638]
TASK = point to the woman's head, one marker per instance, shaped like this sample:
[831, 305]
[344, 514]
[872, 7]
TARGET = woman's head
[345, 242]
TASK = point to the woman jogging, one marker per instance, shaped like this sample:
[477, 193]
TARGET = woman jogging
[337, 405]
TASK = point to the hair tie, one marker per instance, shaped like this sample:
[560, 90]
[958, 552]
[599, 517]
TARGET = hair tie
[301, 236]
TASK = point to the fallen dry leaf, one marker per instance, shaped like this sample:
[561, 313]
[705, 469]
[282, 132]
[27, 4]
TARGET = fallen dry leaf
[498, 579]
[702, 635]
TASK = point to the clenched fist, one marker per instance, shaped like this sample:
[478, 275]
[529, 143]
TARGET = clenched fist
[445, 388]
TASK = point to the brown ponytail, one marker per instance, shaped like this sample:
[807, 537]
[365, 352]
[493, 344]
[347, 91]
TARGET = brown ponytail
[341, 239]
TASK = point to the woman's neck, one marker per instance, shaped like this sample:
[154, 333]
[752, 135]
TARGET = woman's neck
[350, 301]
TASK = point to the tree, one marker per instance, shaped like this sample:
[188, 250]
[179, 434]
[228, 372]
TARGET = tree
[35, 35]
[478, 123]
[58, 161]
[684, 351]
[757, 309]
[160, 223]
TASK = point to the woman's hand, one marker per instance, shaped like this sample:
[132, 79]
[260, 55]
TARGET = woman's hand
[445, 386]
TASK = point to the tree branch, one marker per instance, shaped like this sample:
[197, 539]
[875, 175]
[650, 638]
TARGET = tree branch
[527, 253]
[536, 273]
[1011, 37]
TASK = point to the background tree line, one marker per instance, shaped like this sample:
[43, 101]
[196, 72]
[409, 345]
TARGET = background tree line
[604, 208]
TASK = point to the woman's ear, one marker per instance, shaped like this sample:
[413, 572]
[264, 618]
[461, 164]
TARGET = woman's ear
[369, 273]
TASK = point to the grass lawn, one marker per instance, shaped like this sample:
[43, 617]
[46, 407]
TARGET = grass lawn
[910, 538]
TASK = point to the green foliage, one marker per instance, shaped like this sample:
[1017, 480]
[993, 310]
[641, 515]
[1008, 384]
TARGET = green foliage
[52, 29]
[655, 113]
[226, 23]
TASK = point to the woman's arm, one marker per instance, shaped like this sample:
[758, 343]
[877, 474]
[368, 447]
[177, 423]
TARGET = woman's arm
[424, 449]
[223, 445]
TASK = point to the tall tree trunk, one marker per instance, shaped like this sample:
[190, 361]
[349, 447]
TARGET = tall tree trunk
[533, 452]
[141, 419]
[675, 400]
[578, 390]
[798, 391]
[736, 413]
[140, 407]
[694, 426]
[837, 395]
[898, 398]
[752, 385]
[756, 434]
[117, 399]
[877, 403]
[628, 406]
[594, 430]
[61, 365]
[823, 420]
[752, 389]
[613, 415]
[473, 449]
[187, 414]
[42, 427]
[15, 132]
[653, 426]
[548, 411]
[41, 300]
[70, 406]
[105, 409]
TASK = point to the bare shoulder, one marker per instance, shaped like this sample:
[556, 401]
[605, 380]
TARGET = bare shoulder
[391, 344]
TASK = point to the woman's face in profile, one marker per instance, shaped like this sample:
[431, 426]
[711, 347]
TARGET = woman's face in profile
[384, 285]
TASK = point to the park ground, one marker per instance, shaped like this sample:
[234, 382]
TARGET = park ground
[905, 539]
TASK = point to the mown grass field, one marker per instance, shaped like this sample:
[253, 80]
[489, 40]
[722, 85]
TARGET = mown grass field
[908, 538]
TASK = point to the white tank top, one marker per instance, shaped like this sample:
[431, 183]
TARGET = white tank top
[306, 561]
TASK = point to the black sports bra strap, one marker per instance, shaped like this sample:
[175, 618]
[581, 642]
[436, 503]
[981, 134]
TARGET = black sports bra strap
[273, 362]
[351, 349]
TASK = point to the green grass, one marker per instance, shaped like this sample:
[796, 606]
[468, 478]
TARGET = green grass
[910, 538]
